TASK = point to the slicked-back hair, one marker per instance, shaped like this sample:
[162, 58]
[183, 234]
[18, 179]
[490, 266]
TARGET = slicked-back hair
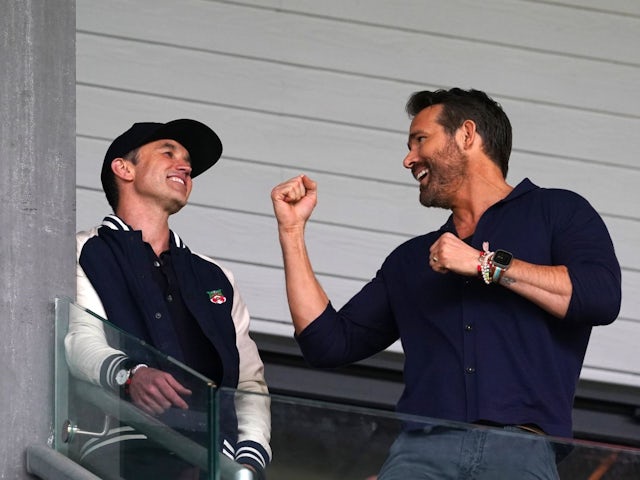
[109, 184]
[458, 105]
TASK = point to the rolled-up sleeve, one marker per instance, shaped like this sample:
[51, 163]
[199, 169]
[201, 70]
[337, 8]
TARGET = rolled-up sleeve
[585, 247]
[363, 327]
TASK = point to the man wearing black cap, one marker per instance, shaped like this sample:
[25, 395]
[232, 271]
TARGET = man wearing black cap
[137, 273]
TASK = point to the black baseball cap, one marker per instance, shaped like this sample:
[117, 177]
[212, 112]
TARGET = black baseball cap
[201, 142]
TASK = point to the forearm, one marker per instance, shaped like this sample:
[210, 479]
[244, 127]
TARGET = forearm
[307, 299]
[549, 287]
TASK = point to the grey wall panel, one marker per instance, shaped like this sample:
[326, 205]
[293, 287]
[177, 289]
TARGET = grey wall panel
[319, 87]
[357, 101]
[549, 26]
[370, 51]
[307, 145]
[616, 7]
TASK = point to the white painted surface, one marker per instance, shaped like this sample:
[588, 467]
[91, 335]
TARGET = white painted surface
[319, 87]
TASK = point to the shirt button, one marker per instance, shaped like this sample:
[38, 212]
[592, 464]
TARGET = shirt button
[470, 370]
[158, 315]
[169, 298]
[468, 327]
[156, 263]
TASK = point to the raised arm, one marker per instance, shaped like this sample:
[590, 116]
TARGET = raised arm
[293, 202]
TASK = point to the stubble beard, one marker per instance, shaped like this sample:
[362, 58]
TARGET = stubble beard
[446, 174]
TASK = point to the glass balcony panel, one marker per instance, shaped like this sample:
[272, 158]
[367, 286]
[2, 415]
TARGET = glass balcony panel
[318, 440]
[99, 427]
[310, 439]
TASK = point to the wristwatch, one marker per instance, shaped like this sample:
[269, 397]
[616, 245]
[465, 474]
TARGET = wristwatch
[502, 259]
[500, 262]
[124, 375]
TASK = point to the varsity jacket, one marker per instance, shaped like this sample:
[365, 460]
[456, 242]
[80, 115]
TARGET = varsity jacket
[113, 281]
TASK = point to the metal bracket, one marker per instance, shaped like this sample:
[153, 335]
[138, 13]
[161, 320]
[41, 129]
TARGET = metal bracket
[70, 430]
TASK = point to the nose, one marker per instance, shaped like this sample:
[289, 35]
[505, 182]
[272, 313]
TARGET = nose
[410, 159]
[184, 166]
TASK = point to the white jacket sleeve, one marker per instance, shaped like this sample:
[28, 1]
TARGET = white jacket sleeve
[253, 407]
[86, 345]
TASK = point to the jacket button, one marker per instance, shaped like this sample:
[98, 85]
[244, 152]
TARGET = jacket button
[470, 370]
[158, 315]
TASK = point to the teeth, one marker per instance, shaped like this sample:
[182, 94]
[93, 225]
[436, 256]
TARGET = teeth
[177, 179]
[421, 174]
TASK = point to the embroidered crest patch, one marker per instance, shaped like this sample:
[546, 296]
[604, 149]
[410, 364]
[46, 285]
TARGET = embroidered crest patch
[216, 296]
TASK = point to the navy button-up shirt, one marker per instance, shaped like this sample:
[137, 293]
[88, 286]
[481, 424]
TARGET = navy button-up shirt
[476, 352]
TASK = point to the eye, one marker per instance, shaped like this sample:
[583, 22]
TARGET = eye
[416, 141]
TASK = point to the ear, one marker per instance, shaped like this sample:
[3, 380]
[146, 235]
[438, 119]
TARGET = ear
[122, 169]
[468, 134]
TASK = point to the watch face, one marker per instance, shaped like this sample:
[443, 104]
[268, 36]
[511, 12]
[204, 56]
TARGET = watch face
[122, 376]
[502, 258]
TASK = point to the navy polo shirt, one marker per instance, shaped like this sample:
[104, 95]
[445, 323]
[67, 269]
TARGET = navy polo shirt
[198, 351]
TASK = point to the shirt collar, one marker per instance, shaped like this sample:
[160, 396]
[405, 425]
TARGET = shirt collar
[114, 222]
[524, 187]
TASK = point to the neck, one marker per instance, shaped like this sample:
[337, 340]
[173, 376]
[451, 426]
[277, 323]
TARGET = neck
[474, 199]
[153, 225]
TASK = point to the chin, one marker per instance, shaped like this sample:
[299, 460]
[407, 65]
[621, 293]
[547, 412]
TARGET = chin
[175, 207]
[430, 201]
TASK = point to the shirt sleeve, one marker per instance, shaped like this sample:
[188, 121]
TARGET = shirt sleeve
[363, 327]
[582, 243]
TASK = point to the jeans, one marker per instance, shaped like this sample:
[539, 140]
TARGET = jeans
[442, 453]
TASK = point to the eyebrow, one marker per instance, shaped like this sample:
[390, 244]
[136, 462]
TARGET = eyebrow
[174, 147]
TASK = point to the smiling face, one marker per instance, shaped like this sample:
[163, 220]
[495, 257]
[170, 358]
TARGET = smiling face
[163, 174]
[435, 159]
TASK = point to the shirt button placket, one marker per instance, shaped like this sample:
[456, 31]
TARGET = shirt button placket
[468, 328]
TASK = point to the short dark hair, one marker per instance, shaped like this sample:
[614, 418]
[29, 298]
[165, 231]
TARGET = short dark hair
[492, 124]
[109, 184]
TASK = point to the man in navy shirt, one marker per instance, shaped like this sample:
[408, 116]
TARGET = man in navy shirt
[494, 310]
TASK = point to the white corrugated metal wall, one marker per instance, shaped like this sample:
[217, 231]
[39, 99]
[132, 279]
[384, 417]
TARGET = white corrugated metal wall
[319, 87]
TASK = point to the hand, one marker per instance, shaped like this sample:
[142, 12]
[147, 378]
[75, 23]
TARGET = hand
[450, 254]
[154, 391]
[293, 202]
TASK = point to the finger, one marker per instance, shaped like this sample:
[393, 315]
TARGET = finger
[290, 191]
[308, 184]
[174, 391]
[149, 405]
[177, 386]
[158, 390]
[294, 193]
[162, 396]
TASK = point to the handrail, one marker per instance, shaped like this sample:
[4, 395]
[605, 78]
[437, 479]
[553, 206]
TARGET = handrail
[46, 463]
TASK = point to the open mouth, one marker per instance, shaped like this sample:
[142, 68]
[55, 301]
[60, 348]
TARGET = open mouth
[178, 180]
[421, 174]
